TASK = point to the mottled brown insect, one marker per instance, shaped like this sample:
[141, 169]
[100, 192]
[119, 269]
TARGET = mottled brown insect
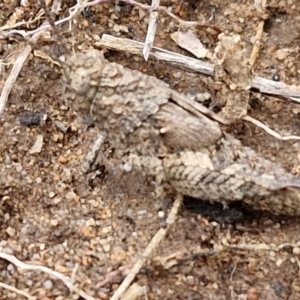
[132, 108]
[144, 115]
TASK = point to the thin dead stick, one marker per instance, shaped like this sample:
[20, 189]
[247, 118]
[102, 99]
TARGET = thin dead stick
[21, 23]
[110, 276]
[73, 276]
[183, 23]
[74, 10]
[19, 64]
[295, 99]
[13, 76]
[65, 279]
[275, 88]
[17, 291]
[194, 65]
[166, 10]
[151, 28]
[261, 246]
[161, 233]
[256, 46]
[135, 47]
[270, 131]
[259, 33]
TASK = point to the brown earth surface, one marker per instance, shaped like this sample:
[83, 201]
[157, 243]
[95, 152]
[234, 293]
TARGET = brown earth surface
[53, 215]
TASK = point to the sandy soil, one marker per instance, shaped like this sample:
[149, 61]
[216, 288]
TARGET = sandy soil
[53, 215]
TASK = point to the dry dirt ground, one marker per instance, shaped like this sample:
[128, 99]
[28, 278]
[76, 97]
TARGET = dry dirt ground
[53, 215]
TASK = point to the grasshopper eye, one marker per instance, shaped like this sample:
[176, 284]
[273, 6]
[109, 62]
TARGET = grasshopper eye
[83, 72]
[80, 82]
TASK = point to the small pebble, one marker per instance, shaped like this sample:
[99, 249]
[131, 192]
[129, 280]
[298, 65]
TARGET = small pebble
[51, 195]
[296, 250]
[48, 284]
[10, 231]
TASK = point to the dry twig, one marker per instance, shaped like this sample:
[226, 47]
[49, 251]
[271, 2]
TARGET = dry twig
[14, 75]
[261, 246]
[161, 233]
[194, 65]
[256, 46]
[21, 23]
[65, 279]
[111, 275]
[270, 131]
[151, 29]
[80, 5]
[17, 291]
[259, 33]
[74, 10]
[169, 13]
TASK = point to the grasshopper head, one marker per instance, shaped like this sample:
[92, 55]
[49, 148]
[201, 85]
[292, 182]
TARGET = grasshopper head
[82, 76]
